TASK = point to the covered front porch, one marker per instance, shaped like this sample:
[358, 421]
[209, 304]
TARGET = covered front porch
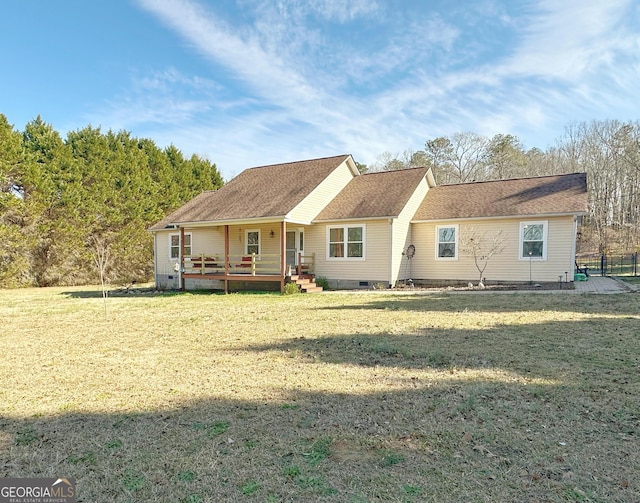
[252, 252]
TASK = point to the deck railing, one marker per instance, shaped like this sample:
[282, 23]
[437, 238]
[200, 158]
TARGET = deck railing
[306, 263]
[254, 264]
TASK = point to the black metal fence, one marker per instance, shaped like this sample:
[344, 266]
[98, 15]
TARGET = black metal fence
[611, 264]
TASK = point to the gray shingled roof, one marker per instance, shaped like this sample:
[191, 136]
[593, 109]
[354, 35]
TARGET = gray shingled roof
[265, 191]
[544, 195]
[382, 194]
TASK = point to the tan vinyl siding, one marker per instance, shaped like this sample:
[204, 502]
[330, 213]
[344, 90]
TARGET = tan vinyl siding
[374, 267]
[210, 241]
[319, 197]
[164, 265]
[401, 237]
[504, 267]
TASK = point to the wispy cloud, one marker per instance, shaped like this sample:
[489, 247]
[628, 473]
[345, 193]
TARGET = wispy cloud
[323, 77]
[566, 39]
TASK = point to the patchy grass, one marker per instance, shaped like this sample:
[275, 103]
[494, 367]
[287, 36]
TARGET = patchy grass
[634, 280]
[340, 397]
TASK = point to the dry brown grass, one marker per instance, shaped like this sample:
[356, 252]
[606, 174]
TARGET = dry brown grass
[338, 397]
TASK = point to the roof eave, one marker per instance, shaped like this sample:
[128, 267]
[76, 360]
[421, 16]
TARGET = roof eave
[502, 217]
[214, 223]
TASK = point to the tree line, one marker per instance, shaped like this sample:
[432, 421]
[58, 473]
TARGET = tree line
[608, 151]
[68, 204]
[77, 208]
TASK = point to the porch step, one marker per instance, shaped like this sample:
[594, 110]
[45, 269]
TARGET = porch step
[306, 282]
[311, 289]
[296, 277]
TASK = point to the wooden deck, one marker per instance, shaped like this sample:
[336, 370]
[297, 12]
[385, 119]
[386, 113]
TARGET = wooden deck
[242, 268]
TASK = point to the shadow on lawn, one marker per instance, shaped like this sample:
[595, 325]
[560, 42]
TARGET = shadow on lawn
[135, 292]
[442, 436]
[438, 441]
[550, 350]
[499, 303]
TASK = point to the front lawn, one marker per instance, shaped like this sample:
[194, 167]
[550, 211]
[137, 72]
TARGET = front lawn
[331, 397]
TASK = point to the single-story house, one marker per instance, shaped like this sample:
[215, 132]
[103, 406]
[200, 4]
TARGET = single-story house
[322, 218]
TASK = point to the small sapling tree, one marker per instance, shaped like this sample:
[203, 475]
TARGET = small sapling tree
[482, 246]
[101, 254]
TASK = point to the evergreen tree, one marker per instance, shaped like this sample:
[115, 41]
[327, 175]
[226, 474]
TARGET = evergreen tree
[58, 198]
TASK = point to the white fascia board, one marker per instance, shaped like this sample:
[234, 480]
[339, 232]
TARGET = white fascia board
[352, 165]
[298, 222]
[431, 180]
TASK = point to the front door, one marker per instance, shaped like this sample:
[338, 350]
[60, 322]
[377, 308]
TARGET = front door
[295, 245]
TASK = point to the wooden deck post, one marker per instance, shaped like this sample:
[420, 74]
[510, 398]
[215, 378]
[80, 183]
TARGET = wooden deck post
[283, 254]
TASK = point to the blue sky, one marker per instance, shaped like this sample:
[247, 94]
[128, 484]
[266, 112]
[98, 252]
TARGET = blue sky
[253, 82]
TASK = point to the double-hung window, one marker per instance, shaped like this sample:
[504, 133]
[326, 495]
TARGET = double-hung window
[446, 242]
[253, 242]
[533, 240]
[345, 242]
[174, 245]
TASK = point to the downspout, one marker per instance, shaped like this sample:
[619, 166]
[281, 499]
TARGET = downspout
[226, 259]
[573, 244]
[283, 254]
[181, 283]
[391, 254]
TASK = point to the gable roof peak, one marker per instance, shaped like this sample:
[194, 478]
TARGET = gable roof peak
[261, 192]
[305, 161]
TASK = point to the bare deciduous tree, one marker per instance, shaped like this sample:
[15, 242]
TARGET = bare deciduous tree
[101, 254]
[482, 247]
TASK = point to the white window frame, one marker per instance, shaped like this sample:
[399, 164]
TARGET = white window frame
[246, 241]
[345, 242]
[545, 239]
[437, 240]
[171, 246]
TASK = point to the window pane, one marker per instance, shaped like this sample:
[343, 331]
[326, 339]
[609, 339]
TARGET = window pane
[446, 250]
[335, 250]
[532, 232]
[301, 240]
[187, 239]
[355, 234]
[336, 235]
[535, 247]
[447, 234]
[354, 250]
[291, 240]
[252, 238]
[252, 249]
[174, 247]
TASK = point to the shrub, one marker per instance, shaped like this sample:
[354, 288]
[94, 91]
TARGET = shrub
[323, 282]
[291, 289]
